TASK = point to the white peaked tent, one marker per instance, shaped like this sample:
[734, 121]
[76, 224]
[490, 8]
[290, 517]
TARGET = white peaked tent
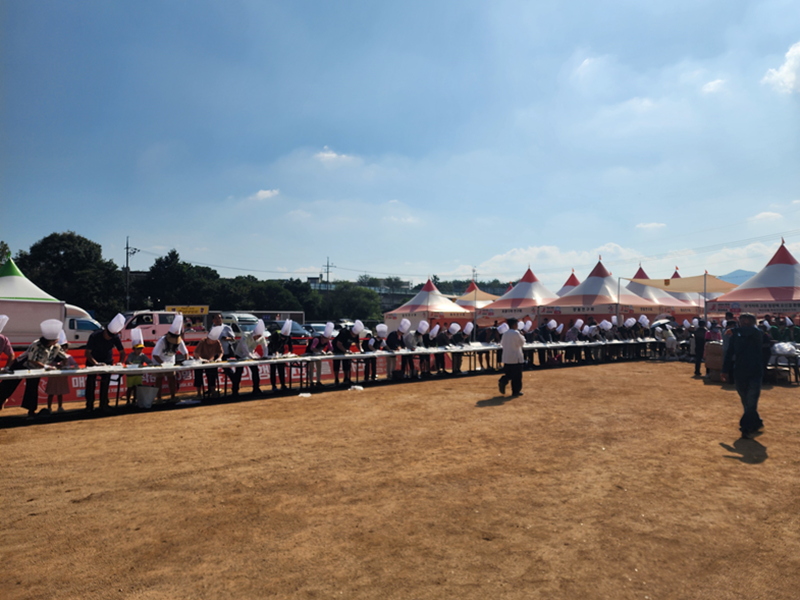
[428, 305]
[775, 288]
[474, 297]
[668, 302]
[597, 294]
[520, 301]
[15, 286]
[569, 285]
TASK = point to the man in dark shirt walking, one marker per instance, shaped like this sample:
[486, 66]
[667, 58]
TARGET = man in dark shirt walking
[744, 358]
[699, 346]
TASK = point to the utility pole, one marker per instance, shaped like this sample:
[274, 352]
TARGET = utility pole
[327, 268]
[128, 253]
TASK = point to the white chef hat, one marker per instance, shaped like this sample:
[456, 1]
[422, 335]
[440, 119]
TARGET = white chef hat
[686, 324]
[552, 324]
[382, 329]
[423, 327]
[560, 328]
[630, 322]
[614, 319]
[579, 323]
[3, 321]
[765, 323]
[116, 324]
[287, 327]
[586, 330]
[724, 323]
[405, 325]
[62, 338]
[668, 326]
[502, 328]
[468, 328]
[605, 325]
[593, 329]
[695, 323]
[177, 325]
[528, 325]
[213, 334]
[51, 328]
[329, 327]
[643, 320]
[435, 330]
[786, 320]
[137, 338]
[358, 327]
[520, 324]
[259, 330]
[659, 330]
[454, 328]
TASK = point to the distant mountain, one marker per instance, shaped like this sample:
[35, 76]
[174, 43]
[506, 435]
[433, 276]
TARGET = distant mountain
[738, 276]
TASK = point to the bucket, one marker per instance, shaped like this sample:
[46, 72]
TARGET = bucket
[145, 394]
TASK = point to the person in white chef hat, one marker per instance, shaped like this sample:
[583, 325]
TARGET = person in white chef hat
[43, 354]
[166, 352]
[280, 343]
[513, 357]
[5, 344]
[100, 352]
[321, 345]
[58, 385]
[246, 350]
[343, 345]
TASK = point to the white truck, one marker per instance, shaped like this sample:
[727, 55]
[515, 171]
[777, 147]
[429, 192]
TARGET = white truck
[25, 317]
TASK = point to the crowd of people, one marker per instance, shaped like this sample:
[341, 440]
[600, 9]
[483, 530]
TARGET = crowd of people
[511, 341]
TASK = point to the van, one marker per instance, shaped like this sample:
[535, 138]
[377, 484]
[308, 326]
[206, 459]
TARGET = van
[240, 322]
[156, 323]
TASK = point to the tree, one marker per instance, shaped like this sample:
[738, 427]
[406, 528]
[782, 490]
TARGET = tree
[368, 281]
[310, 299]
[71, 268]
[353, 301]
[5, 252]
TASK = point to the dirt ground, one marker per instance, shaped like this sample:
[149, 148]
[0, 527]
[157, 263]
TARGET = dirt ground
[614, 481]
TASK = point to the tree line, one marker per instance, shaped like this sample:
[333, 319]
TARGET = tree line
[71, 268]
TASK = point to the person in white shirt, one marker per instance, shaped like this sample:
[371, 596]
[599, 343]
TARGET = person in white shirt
[513, 357]
[246, 350]
[165, 352]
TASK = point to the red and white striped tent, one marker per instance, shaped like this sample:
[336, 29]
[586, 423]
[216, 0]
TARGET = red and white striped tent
[668, 302]
[597, 295]
[569, 285]
[774, 289]
[428, 305]
[474, 297]
[519, 302]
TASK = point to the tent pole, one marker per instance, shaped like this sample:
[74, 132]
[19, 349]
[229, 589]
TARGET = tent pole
[619, 284]
[705, 298]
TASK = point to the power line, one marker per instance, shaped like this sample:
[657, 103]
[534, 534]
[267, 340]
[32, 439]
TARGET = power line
[678, 255]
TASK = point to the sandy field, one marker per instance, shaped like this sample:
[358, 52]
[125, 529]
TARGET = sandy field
[616, 481]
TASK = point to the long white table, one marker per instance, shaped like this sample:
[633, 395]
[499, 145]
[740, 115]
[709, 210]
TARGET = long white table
[302, 361]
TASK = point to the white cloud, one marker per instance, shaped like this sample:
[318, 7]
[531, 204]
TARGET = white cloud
[264, 195]
[766, 216]
[329, 157]
[650, 225]
[713, 86]
[786, 79]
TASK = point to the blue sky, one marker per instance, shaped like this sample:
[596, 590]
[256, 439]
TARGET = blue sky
[406, 138]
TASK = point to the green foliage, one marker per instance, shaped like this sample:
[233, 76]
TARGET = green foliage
[310, 299]
[5, 252]
[71, 268]
[353, 301]
[368, 281]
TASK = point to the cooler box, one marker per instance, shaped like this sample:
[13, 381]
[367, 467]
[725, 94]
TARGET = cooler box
[714, 357]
